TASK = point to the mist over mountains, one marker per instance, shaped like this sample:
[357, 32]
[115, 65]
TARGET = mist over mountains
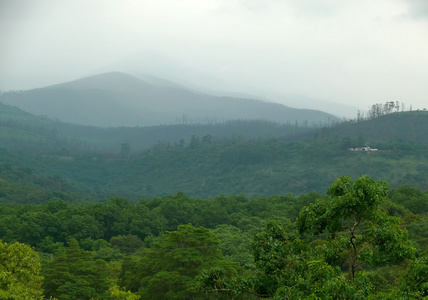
[119, 99]
[159, 65]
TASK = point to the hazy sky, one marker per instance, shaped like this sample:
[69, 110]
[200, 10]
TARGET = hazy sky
[355, 52]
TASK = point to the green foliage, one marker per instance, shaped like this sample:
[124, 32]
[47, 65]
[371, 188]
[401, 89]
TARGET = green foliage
[240, 157]
[19, 272]
[411, 198]
[353, 229]
[169, 268]
[118, 294]
[388, 127]
[360, 233]
[233, 243]
[415, 283]
[127, 244]
[124, 244]
[74, 274]
[290, 269]
[23, 131]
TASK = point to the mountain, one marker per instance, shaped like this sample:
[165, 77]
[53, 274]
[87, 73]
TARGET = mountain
[118, 99]
[159, 65]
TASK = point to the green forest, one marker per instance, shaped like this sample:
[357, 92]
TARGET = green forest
[206, 166]
[234, 210]
[359, 240]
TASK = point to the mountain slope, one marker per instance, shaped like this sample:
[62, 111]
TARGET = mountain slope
[206, 166]
[22, 131]
[410, 126]
[119, 99]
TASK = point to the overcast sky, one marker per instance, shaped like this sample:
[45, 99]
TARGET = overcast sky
[355, 52]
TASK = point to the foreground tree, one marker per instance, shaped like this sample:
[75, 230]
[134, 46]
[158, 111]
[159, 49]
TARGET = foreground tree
[358, 231]
[74, 274]
[168, 269]
[292, 269]
[346, 231]
[19, 272]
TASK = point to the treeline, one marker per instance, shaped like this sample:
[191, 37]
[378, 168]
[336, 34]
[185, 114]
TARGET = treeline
[52, 224]
[381, 109]
[227, 247]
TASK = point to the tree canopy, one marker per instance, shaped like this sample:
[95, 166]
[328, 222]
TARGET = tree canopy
[19, 272]
[351, 243]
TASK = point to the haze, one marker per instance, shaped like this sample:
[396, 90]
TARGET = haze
[354, 53]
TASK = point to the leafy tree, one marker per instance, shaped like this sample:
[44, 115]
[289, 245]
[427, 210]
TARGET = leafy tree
[118, 294]
[82, 225]
[351, 228]
[47, 245]
[168, 269]
[280, 256]
[177, 210]
[415, 283]
[288, 268]
[126, 244]
[144, 222]
[19, 272]
[35, 226]
[73, 274]
[359, 232]
[411, 198]
[234, 245]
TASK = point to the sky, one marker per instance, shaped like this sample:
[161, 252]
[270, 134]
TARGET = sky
[351, 52]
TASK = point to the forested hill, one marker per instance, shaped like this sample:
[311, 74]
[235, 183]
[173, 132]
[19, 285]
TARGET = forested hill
[119, 99]
[205, 166]
[410, 126]
[22, 131]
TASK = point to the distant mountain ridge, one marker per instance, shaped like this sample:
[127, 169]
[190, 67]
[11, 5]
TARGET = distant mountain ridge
[118, 99]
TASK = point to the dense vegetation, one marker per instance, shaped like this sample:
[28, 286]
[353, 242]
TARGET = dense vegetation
[220, 211]
[178, 247]
[21, 131]
[205, 167]
[254, 158]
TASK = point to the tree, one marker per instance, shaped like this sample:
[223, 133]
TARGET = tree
[127, 244]
[168, 269]
[346, 230]
[118, 294]
[73, 274]
[234, 245]
[359, 232]
[125, 150]
[415, 283]
[194, 141]
[280, 256]
[19, 272]
[288, 269]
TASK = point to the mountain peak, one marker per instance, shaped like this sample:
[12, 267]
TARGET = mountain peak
[108, 81]
[120, 99]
